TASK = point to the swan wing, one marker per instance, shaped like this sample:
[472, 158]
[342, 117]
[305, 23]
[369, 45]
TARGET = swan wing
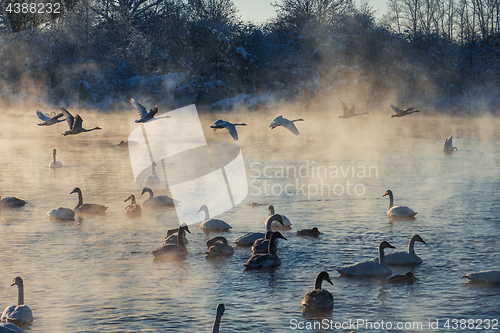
[232, 130]
[78, 122]
[276, 122]
[401, 211]
[291, 126]
[401, 258]
[396, 109]
[42, 116]
[364, 268]
[69, 117]
[318, 298]
[6, 313]
[352, 109]
[345, 110]
[141, 109]
[490, 276]
[249, 238]
[262, 260]
[214, 224]
[10, 328]
[21, 314]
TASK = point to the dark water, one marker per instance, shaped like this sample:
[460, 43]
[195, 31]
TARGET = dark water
[97, 275]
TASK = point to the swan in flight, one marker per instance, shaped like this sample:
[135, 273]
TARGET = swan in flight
[171, 237]
[448, 146]
[47, 121]
[369, 268]
[178, 250]
[19, 314]
[286, 222]
[11, 202]
[220, 311]
[153, 178]
[405, 258]
[159, 201]
[407, 278]
[94, 209]
[318, 299]
[227, 125]
[309, 232]
[143, 113]
[250, 238]
[10, 328]
[75, 124]
[55, 164]
[400, 212]
[61, 214]
[400, 113]
[490, 276]
[132, 210]
[349, 112]
[218, 246]
[270, 259]
[280, 121]
[211, 225]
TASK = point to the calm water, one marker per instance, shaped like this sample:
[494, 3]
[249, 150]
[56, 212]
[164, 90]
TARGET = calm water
[97, 275]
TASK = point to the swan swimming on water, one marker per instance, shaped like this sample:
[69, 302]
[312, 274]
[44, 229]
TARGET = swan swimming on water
[218, 246]
[178, 250]
[405, 258]
[161, 201]
[286, 222]
[75, 124]
[55, 164]
[401, 113]
[264, 260]
[250, 238]
[11, 202]
[261, 245]
[229, 126]
[349, 112]
[61, 214]
[407, 278]
[400, 212]
[47, 121]
[94, 209]
[489, 276]
[209, 224]
[448, 146]
[289, 124]
[132, 210]
[369, 268]
[143, 113]
[19, 314]
[318, 299]
[309, 232]
[153, 178]
[218, 316]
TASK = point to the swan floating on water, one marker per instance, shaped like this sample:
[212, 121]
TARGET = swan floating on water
[47, 121]
[369, 268]
[227, 125]
[400, 113]
[261, 245]
[75, 124]
[349, 112]
[407, 278]
[270, 259]
[11, 202]
[405, 258]
[448, 145]
[171, 237]
[289, 124]
[55, 164]
[160, 201]
[143, 113]
[61, 214]
[489, 276]
[309, 232]
[132, 210]
[218, 316]
[178, 250]
[209, 224]
[10, 328]
[250, 238]
[318, 299]
[94, 209]
[398, 211]
[286, 222]
[218, 246]
[153, 178]
[19, 314]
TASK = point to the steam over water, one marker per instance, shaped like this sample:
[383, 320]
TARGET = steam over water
[97, 275]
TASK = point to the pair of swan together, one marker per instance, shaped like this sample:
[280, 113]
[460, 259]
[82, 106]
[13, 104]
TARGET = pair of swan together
[269, 259]
[348, 112]
[19, 314]
[62, 213]
[176, 251]
[278, 121]
[74, 123]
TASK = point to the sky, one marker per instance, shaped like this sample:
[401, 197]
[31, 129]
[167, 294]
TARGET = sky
[261, 10]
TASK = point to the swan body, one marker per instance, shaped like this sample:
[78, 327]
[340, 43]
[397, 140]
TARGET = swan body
[369, 268]
[132, 210]
[75, 124]
[398, 211]
[261, 245]
[20, 314]
[349, 112]
[289, 124]
[55, 164]
[94, 209]
[10, 328]
[227, 125]
[448, 146]
[178, 250]
[153, 178]
[318, 299]
[286, 222]
[407, 278]
[61, 214]
[220, 311]
[401, 113]
[250, 238]
[265, 260]
[47, 121]
[11, 202]
[218, 246]
[143, 113]
[212, 224]
[161, 201]
[405, 258]
[171, 237]
[490, 276]
[309, 232]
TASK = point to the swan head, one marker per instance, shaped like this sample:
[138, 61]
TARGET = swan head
[385, 245]
[212, 241]
[75, 190]
[271, 209]
[129, 198]
[276, 217]
[184, 227]
[278, 234]
[325, 277]
[54, 151]
[418, 238]
[18, 281]
[220, 309]
[146, 189]
[388, 192]
[202, 208]
[316, 230]
[411, 276]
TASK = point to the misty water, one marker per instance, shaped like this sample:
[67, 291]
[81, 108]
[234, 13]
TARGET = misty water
[97, 275]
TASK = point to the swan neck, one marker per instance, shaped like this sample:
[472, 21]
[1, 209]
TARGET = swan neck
[271, 249]
[216, 326]
[180, 237]
[411, 246]
[132, 201]
[271, 211]
[317, 284]
[391, 200]
[207, 215]
[54, 157]
[80, 199]
[268, 224]
[20, 294]
[381, 258]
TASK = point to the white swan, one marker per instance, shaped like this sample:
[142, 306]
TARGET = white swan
[318, 299]
[218, 246]
[47, 121]
[143, 113]
[489, 276]
[405, 258]
[218, 316]
[400, 113]
[398, 211]
[369, 268]
[55, 164]
[286, 222]
[10, 328]
[178, 250]
[448, 146]
[348, 112]
[250, 238]
[20, 314]
[152, 178]
[289, 124]
[11, 202]
[212, 224]
[61, 214]
[264, 260]
[227, 125]
[132, 210]
[92, 209]
[161, 201]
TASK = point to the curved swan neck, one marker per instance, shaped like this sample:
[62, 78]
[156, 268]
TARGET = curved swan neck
[205, 209]
[80, 198]
[215, 328]
[391, 200]
[269, 222]
[180, 237]
[319, 280]
[132, 199]
[411, 245]
[271, 249]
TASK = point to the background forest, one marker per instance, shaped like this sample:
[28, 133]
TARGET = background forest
[433, 54]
